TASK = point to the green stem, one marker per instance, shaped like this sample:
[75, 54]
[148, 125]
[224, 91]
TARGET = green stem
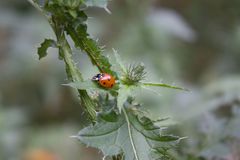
[84, 46]
[71, 69]
[75, 76]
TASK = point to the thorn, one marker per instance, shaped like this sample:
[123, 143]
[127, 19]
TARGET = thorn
[104, 46]
[163, 128]
[114, 51]
[107, 10]
[182, 138]
[74, 136]
[97, 113]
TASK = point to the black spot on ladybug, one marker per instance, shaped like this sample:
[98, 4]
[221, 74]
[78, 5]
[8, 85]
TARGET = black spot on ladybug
[104, 83]
[111, 85]
[108, 79]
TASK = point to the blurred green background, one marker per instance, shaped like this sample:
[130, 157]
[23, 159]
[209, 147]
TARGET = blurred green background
[191, 43]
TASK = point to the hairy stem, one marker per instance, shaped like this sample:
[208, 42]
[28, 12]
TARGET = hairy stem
[71, 69]
[84, 46]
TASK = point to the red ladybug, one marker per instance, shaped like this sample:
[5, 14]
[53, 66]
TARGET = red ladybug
[105, 80]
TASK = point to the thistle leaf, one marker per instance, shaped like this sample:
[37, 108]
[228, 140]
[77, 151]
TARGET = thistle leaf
[89, 84]
[75, 26]
[42, 50]
[83, 85]
[124, 92]
[97, 3]
[118, 62]
[164, 85]
[135, 136]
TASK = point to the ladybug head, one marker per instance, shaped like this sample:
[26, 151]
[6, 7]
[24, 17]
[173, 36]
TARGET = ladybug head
[97, 77]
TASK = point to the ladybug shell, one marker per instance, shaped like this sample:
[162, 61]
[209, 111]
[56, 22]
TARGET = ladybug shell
[106, 80]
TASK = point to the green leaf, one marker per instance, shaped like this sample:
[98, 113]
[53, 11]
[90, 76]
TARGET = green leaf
[164, 85]
[123, 93]
[118, 61]
[75, 25]
[84, 85]
[97, 3]
[134, 136]
[42, 50]
[68, 3]
[109, 116]
[89, 84]
[81, 39]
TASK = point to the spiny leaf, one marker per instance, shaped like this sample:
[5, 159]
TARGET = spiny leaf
[163, 85]
[129, 133]
[91, 48]
[76, 27]
[117, 60]
[86, 85]
[97, 3]
[123, 93]
[68, 3]
[110, 116]
[83, 85]
[42, 50]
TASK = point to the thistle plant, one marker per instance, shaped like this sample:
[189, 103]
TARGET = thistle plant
[134, 74]
[119, 127]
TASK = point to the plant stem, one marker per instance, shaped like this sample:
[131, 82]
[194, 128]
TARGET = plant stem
[75, 76]
[71, 69]
[84, 46]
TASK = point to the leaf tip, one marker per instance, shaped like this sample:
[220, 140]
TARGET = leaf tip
[73, 136]
[182, 138]
[67, 84]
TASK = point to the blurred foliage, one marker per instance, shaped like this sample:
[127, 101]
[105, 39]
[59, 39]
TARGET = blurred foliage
[190, 42]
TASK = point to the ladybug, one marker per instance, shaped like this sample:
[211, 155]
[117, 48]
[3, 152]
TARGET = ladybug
[105, 80]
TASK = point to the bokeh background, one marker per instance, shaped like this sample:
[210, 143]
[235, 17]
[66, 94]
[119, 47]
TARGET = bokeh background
[191, 43]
